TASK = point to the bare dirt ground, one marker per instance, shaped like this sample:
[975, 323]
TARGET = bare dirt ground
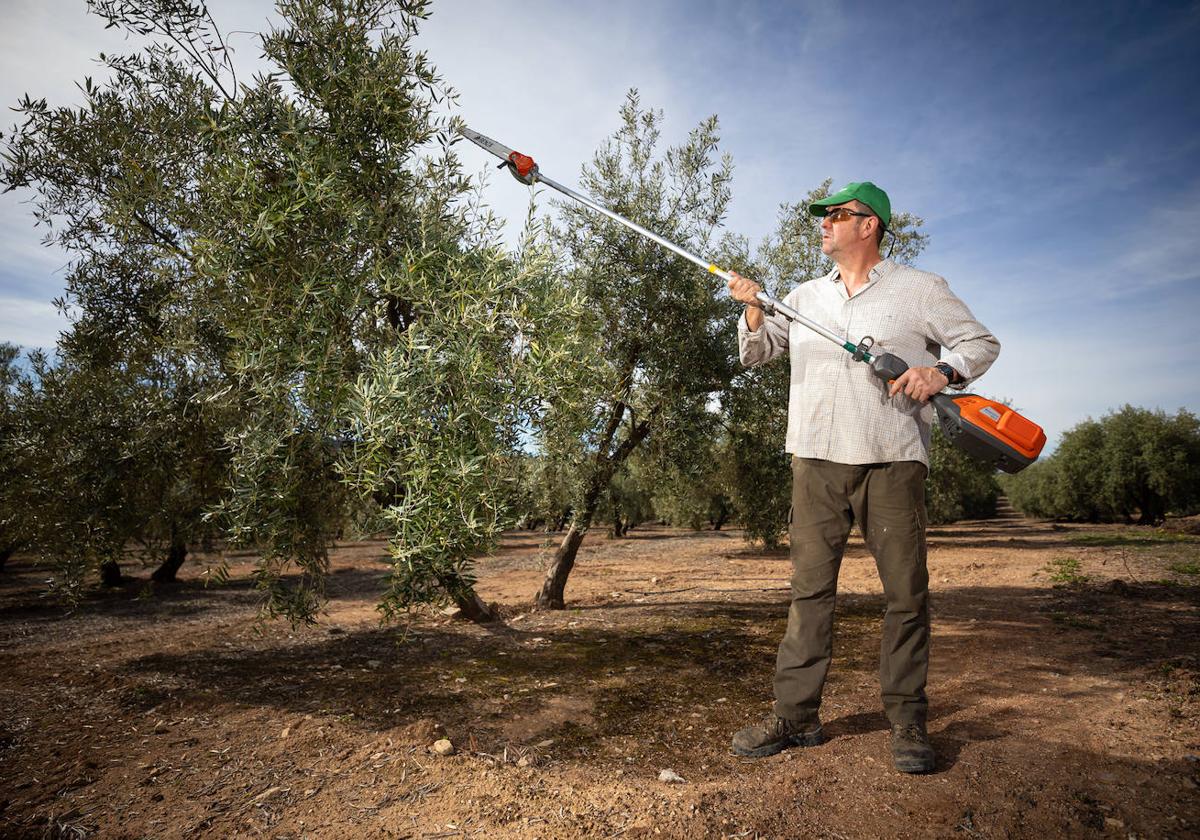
[1065, 691]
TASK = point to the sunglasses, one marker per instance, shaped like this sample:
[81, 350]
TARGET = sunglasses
[840, 214]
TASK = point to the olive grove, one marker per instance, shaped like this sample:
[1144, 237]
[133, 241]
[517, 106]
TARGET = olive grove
[293, 320]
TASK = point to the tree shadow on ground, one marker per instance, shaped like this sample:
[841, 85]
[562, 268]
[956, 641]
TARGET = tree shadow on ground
[634, 536]
[1014, 542]
[138, 598]
[957, 532]
[134, 599]
[644, 676]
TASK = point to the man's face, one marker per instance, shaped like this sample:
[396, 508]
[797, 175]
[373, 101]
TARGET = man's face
[841, 231]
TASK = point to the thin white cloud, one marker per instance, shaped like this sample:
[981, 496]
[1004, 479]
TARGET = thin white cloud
[30, 323]
[21, 242]
[1163, 249]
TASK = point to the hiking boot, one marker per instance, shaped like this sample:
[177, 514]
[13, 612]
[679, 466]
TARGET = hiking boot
[776, 734]
[911, 750]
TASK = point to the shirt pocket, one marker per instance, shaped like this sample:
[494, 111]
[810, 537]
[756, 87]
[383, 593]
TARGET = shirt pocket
[900, 334]
[889, 330]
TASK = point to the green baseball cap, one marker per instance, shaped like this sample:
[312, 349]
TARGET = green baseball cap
[863, 191]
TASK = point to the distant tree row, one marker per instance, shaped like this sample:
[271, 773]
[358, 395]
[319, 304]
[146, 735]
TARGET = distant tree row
[748, 487]
[1133, 465]
[292, 320]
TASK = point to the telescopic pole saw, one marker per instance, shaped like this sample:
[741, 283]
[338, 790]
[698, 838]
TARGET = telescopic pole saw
[983, 428]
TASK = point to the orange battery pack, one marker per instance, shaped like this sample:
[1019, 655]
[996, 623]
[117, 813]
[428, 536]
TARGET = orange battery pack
[990, 431]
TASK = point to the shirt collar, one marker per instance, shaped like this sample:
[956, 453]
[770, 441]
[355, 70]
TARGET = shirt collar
[880, 269]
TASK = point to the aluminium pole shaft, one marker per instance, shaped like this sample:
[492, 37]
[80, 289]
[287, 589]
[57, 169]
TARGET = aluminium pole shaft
[769, 303]
[525, 170]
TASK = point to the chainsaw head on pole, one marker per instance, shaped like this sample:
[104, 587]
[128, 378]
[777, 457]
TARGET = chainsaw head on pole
[522, 168]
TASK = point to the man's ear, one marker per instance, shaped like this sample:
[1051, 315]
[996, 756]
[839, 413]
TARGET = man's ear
[871, 227]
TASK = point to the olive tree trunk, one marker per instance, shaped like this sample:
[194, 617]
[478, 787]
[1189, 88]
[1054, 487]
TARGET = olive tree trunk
[721, 518]
[472, 607]
[110, 573]
[176, 554]
[551, 595]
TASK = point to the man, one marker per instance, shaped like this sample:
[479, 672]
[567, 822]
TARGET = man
[860, 454]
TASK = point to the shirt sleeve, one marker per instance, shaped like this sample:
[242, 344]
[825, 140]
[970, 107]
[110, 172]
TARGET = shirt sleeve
[767, 342]
[972, 347]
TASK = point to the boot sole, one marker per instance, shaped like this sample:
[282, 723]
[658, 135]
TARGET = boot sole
[915, 767]
[808, 739]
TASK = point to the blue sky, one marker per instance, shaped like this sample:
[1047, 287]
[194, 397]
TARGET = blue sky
[1053, 149]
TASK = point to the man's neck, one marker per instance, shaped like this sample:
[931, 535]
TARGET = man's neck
[855, 271]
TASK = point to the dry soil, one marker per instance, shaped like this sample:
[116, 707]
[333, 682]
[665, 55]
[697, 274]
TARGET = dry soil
[1064, 690]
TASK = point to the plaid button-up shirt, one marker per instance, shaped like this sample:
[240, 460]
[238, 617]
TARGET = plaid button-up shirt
[838, 409]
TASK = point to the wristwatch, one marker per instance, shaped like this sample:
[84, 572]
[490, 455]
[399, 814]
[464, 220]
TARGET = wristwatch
[950, 373]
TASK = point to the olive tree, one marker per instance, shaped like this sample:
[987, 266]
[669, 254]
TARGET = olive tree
[386, 347]
[658, 326]
[1151, 463]
[302, 263]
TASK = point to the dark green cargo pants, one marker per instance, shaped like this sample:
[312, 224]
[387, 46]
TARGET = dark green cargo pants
[888, 502]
